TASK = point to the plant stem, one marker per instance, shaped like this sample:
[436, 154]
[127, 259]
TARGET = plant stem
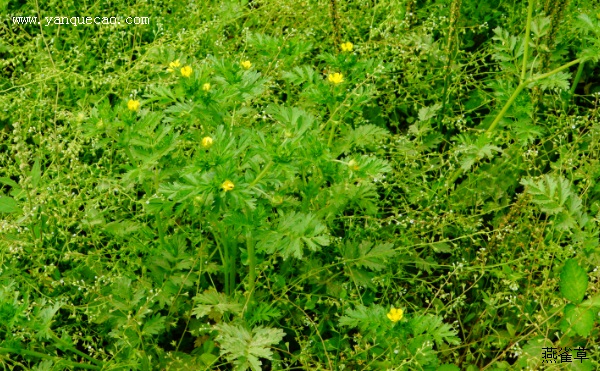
[261, 174]
[526, 45]
[251, 264]
[225, 259]
[502, 112]
[556, 70]
[574, 85]
[511, 100]
[232, 265]
[45, 356]
[331, 134]
[69, 347]
[521, 86]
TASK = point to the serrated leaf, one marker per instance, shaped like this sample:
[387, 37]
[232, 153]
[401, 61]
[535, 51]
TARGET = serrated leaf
[577, 319]
[264, 312]
[300, 75]
[214, 302]
[528, 133]
[434, 326]
[559, 80]
[245, 348]
[591, 302]
[427, 113]
[550, 193]
[45, 365]
[294, 232]
[362, 136]
[154, 326]
[367, 319]
[367, 255]
[573, 281]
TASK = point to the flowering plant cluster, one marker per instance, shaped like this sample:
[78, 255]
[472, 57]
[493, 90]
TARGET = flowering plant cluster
[264, 185]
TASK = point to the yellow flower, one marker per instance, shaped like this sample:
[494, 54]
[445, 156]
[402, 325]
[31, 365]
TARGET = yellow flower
[246, 64]
[173, 65]
[335, 78]
[227, 185]
[207, 142]
[395, 315]
[352, 164]
[347, 46]
[206, 87]
[133, 105]
[186, 71]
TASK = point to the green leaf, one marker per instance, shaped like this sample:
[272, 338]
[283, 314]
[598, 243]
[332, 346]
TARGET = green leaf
[9, 182]
[214, 303]
[36, 172]
[263, 312]
[448, 367]
[154, 325]
[591, 302]
[435, 327]
[550, 193]
[45, 365]
[577, 319]
[362, 136]
[367, 255]
[244, 348]
[300, 75]
[7, 204]
[559, 80]
[573, 281]
[367, 319]
[293, 233]
[427, 113]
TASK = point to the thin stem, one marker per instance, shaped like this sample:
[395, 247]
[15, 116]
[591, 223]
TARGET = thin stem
[45, 356]
[261, 174]
[556, 70]
[526, 46]
[251, 264]
[502, 112]
[574, 85]
[227, 258]
[577, 78]
[331, 134]
[232, 265]
[521, 86]
[81, 354]
[510, 101]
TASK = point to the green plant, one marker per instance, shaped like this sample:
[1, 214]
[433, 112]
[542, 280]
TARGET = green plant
[231, 187]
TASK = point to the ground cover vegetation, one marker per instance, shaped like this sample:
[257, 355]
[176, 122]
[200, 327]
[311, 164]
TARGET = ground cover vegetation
[300, 185]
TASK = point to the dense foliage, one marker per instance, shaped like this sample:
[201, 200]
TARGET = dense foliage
[300, 185]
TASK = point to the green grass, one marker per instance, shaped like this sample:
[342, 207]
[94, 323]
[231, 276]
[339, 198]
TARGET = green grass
[228, 188]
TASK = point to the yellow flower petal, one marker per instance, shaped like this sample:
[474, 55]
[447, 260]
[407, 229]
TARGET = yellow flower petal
[347, 46]
[206, 87]
[207, 142]
[186, 71]
[246, 64]
[227, 185]
[133, 105]
[335, 78]
[395, 315]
